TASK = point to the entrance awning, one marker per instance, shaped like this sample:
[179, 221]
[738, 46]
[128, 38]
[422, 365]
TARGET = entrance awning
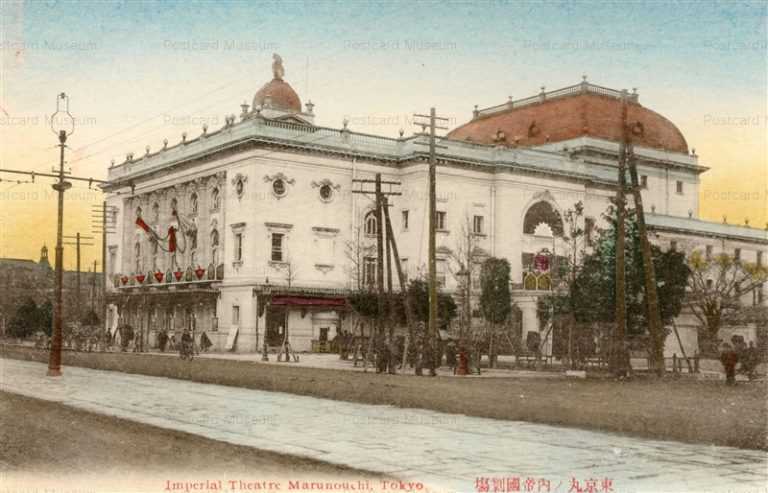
[308, 301]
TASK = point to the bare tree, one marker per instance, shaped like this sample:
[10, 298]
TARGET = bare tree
[462, 268]
[716, 286]
[356, 250]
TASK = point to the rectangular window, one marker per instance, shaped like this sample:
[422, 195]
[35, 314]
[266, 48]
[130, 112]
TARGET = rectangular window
[113, 260]
[404, 267]
[440, 272]
[673, 245]
[737, 254]
[709, 252]
[477, 225]
[589, 230]
[323, 249]
[440, 220]
[680, 187]
[405, 220]
[761, 294]
[644, 181]
[277, 247]
[235, 315]
[369, 271]
[759, 259]
[527, 261]
[238, 247]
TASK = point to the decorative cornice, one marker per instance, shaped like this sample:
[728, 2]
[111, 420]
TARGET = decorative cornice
[278, 225]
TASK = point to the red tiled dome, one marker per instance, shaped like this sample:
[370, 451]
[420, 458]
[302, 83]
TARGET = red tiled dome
[277, 94]
[571, 116]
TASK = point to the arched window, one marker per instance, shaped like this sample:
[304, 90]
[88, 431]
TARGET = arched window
[215, 199]
[371, 223]
[542, 212]
[193, 204]
[193, 249]
[137, 256]
[155, 257]
[138, 212]
[215, 247]
[174, 204]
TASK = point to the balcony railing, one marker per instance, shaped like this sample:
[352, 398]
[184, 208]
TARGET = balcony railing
[198, 275]
[583, 87]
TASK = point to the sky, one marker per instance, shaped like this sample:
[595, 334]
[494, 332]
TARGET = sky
[140, 72]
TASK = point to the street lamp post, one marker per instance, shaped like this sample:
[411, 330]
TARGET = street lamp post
[63, 125]
[266, 291]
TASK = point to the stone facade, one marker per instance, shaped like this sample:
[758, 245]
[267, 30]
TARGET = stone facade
[270, 197]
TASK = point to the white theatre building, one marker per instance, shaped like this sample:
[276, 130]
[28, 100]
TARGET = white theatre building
[267, 198]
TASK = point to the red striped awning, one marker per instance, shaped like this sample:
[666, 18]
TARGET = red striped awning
[307, 301]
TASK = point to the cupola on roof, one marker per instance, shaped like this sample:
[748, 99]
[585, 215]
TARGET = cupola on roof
[577, 111]
[277, 94]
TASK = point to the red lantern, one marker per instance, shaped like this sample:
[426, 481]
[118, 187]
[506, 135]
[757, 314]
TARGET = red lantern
[159, 276]
[178, 275]
[199, 272]
[140, 278]
[124, 279]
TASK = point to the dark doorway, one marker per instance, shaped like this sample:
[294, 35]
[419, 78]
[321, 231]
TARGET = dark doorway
[276, 325]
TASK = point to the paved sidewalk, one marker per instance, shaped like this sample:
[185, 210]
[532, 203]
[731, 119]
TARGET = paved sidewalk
[448, 452]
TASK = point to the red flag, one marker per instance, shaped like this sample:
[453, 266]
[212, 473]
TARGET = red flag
[541, 262]
[171, 239]
[140, 223]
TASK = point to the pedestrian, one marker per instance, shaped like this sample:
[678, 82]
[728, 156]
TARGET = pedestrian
[205, 342]
[186, 343]
[729, 358]
[172, 342]
[750, 361]
[162, 340]
[450, 356]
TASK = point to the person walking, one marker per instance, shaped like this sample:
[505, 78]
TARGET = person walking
[729, 358]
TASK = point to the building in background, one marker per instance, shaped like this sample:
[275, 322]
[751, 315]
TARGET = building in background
[26, 279]
[203, 225]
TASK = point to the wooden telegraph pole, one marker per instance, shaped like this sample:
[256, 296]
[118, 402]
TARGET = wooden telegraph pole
[78, 243]
[381, 203]
[619, 335]
[655, 326]
[104, 222]
[431, 334]
[410, 317]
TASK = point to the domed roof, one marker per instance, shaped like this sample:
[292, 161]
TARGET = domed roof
[279, 95]
[576, 111]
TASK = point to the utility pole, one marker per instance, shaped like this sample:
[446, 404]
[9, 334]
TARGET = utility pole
[379, 263]
[63, 125]
[409, 315]
[380, 200]
[655, 326]
[93, 288]
[431, 333]
[104, 222]
[77, 245]
[621, 306]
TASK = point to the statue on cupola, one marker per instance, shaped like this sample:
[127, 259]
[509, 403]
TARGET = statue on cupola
[278, 71]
